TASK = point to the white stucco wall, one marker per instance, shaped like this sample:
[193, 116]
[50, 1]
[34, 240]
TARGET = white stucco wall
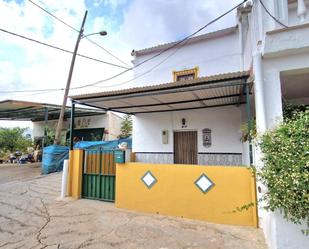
[272, 84]
[38, 127]
[279, 233]
[99, 121]
[284, 50]
[208, 55]
[114, 125]
[91, 121]
[224, 123]
[247, 55]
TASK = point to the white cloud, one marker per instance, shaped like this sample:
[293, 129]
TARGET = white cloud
[147, 23]
[114, 3]
[42, 67]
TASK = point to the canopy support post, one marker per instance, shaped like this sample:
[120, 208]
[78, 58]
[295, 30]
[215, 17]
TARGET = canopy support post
[249, 117]
[45, 126]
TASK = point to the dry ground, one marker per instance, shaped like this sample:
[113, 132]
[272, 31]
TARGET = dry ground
[32, 216]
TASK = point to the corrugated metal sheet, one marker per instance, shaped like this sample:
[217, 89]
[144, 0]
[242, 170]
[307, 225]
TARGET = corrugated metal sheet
[32, 111]
[219, 78]
[217, 90]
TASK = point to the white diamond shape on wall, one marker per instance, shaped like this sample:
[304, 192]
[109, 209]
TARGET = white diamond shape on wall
[148, 179]
[204, 183]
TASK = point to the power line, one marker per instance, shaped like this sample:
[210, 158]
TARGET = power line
[107, 51]
[168, 48]
[51, 14]
[194, 33]
[61, 49]
[146, 72]
[158, 54]
[38, 93]
[272, 16]
[71, 27]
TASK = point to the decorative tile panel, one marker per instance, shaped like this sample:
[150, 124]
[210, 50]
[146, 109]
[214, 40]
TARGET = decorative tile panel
[204, 183]
[220, 159]
[209, 159]
[158, 158]
[148, 179]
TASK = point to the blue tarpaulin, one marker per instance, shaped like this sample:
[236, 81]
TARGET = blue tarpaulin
[103, 144]
[53, 157]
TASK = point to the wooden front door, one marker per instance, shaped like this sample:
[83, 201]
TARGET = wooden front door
[185, 147]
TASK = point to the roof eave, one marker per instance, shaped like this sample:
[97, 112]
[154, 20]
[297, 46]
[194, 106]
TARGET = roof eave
[211, 35]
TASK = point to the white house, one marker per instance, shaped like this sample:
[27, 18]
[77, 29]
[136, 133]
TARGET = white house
[201, 56]
[190, 105]
[92, 127]
[279, 51]
[89, 124]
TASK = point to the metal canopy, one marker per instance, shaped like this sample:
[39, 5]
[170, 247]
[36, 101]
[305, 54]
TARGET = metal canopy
[204, 92]
[31, 111]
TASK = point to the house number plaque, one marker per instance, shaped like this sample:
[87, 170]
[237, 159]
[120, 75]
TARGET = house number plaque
[206, 137]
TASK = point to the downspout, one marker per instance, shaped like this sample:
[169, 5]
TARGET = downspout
[259, 92]
[241, 42]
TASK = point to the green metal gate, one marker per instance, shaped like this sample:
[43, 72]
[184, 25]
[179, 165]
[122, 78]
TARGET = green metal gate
[99, 173]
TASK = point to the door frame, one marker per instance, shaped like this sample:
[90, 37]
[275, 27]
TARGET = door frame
[186, 130]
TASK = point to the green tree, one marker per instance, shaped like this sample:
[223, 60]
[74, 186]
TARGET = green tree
[126, 127]
[13, 139]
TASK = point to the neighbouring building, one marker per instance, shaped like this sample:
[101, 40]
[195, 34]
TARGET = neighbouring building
[90, 124]
[191, 106]
[95, 127]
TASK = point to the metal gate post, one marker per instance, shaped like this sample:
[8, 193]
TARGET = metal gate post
[249, 117]
[100, 173]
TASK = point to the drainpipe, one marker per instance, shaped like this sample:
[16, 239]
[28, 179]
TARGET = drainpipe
[301, 10]
[241, 42]
[259, 92]
[261, 128]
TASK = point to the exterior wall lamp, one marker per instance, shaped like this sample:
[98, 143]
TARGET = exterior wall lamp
[183, 122]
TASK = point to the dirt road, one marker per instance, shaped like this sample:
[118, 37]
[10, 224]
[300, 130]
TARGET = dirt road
[32, 216]
[19, 172]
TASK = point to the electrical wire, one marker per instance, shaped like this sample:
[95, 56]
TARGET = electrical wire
[51, 14]
[107, 51]
[272, 16]
[165, 50]
[158, 54]
[38, 93]
[146, 72]
[71, 27]
[194, 33]
[61, 49]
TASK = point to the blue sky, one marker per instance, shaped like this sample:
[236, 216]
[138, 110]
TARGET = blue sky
[131, 24]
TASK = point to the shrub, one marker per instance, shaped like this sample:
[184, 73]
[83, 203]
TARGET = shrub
[286, 168]
[126, 127]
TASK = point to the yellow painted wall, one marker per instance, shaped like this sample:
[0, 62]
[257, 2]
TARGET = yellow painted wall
[176, 194]
[74, 186]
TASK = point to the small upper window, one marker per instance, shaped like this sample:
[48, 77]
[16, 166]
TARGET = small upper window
[187, 74]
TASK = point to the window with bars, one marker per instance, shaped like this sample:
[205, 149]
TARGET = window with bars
[187, 74]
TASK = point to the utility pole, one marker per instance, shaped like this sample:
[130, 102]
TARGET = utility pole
[67, 88]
